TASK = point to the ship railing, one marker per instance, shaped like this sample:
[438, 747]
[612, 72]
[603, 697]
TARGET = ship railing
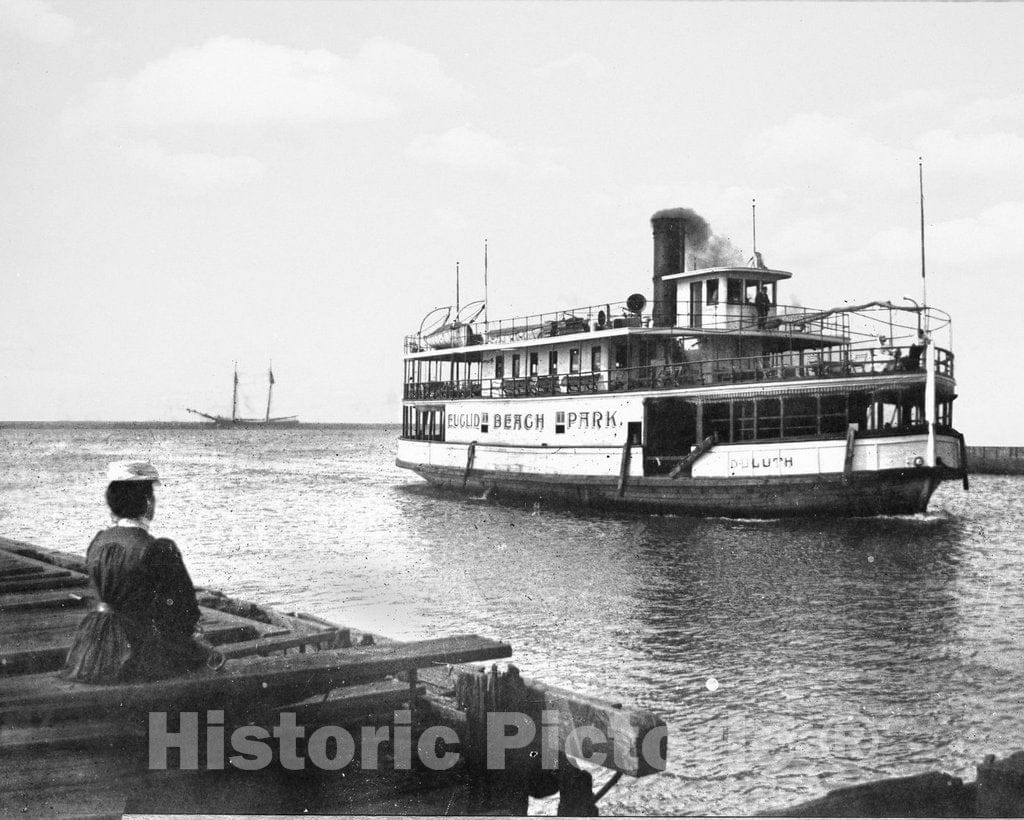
[775, 367]
[881, 321]
[742, 317]
[542, 325]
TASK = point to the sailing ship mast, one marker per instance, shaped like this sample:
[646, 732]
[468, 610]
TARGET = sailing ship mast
[234, 396]
[270, 388]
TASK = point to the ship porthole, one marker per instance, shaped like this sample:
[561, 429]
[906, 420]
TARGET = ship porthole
[919, 462]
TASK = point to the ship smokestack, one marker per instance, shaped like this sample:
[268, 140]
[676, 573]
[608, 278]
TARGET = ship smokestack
[676, 230]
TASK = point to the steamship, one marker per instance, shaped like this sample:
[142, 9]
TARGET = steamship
[712, 398]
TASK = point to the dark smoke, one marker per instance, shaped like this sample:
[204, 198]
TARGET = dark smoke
[718, 252]
[706, 248]
[698, 230]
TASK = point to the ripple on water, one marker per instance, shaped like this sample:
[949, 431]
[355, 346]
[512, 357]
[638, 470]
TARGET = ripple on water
[842, 650]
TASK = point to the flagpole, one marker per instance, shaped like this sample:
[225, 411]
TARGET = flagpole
[926, 340]
[485, 282]
[753, 223]
[924, 280]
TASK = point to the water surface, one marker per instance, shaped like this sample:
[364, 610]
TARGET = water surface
[788, 657]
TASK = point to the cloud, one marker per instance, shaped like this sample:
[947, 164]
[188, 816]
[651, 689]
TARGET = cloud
[822, 147]
[464, 147]
[576, 64]
[467, 147]
[960, 110]
[193, 171]
[995, 156]
[231, 81]
[37, 22]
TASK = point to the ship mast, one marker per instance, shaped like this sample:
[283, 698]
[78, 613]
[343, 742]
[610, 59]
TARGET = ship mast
[270, 387]
[926, 338]
[234, 395]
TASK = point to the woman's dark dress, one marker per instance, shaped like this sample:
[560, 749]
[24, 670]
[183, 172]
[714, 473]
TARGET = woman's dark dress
[144, 631]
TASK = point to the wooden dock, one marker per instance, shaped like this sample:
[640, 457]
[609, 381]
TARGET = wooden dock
[69, 748]
[996, 460]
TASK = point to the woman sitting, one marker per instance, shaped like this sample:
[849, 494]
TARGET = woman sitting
[143, 625]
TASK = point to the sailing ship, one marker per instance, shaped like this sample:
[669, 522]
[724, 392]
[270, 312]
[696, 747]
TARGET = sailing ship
[234, 420]
[718, 400]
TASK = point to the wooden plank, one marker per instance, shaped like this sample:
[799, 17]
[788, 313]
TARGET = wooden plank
[28, 623]
[248, 678]
[221, 627]
[8, 572]
[635, 739]
[31, 643]
[30, 630]
[355, 701]
[851, 438]
[68, 560]
[18, 562]
[329, 638]
[42, 582]
[47, 768]
[96, 801]
[31, 661]
[67, 733]
[45, 599]
[628, 730]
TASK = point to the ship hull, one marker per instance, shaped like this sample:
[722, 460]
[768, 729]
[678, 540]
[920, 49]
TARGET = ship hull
[226, 424]
[887, 492]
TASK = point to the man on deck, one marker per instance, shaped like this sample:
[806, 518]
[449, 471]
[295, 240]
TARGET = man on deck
[762, 302]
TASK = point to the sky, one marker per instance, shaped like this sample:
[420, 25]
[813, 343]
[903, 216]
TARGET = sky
[190, 184]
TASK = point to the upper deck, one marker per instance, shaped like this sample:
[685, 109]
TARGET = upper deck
[710, 326]
[715, 301]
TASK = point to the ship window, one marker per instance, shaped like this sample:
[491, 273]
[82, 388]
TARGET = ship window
[695, 298]
[574, 360]
[430, 425]
[499, 366]
[595, 359]
[945, 414]
[857, 410]
[833, 414]
[769, 418]
[515, 366]
[533, 363]
[734, 291]
[800, 416]
[913, 413]
[560, 422]
[712, 291]
[744, 421]
[553, 362]
[750, 288]
[620, 354]
[883, 415]
[716, 420]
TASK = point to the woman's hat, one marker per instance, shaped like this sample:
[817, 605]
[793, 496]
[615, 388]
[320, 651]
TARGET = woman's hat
[132, 471]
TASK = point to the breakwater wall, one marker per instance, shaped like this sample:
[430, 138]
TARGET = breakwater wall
[996, 460]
